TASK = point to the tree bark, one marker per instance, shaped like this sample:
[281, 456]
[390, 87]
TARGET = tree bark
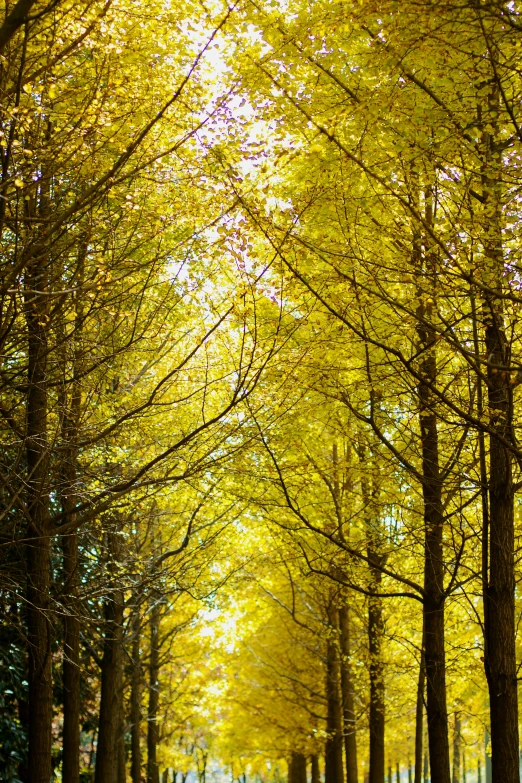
[39, 532]
[111, 681]
[499, 616]
[372, 522]
[377, 705]
[434, 601]
[434, 596]
[350, 736]
[316, 777]
[71, 657]
[152, 717]
[333, 761]
[135, 715]
[297, 768]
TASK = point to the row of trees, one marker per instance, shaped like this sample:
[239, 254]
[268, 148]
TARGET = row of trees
[260, 379]
[119, 380]
[396, 219]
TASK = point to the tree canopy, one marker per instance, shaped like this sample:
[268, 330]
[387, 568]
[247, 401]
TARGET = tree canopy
[261, 357]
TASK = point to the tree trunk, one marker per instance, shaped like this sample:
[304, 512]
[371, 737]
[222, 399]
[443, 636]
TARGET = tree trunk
[434, 600]
[111, 681]
[377, 706]
[135, 715]
[333, 761]
[154, 668]
[350, 737]
[434, 596]
[499, 616]
[39, 532]
[316, 777]
[297, 768]
[375, 624]
[71, 640]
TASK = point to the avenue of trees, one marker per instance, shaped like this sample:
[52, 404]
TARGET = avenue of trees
[260, 407]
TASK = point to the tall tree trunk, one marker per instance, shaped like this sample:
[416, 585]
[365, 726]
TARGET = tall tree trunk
[111, 680]
[342, 487]
[333, 761]
[350, 736]
[152, 717]
[71, 641]
[135, 712]
[375, 621]
[39, 531]
[499, 616]
[434, 596]
[377, 706]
